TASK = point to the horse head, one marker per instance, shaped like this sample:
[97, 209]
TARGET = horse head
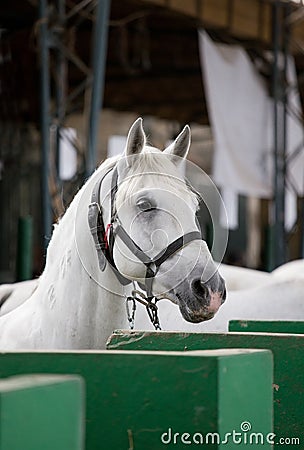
[156, 237]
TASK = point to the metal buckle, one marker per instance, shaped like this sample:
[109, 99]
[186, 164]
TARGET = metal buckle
[131, 314]
[148, 302]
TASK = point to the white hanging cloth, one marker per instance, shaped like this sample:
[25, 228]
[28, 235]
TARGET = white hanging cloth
[241, 116]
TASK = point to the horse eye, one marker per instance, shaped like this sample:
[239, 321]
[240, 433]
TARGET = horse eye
[145, 204]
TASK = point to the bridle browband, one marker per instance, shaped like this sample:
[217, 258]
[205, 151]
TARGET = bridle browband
[104, 239]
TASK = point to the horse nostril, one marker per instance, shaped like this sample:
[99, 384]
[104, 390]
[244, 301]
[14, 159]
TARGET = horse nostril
[224, 295]
[204, 289]
[199, 289]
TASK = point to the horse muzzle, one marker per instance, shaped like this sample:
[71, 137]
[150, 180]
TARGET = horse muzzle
[198, 300]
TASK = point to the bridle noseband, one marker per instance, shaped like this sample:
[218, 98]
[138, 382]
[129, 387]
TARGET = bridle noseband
[104, 239]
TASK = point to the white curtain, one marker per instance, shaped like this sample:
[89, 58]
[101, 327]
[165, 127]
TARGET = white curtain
[241, 116]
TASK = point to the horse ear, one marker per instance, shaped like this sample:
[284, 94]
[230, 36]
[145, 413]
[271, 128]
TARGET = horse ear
[136, 138]
[181, 145]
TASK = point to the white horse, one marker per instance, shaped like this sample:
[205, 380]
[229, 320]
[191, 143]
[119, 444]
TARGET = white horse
[151, 239]
[252, 295]
[14, 294]
[243, 278]
[236, 278]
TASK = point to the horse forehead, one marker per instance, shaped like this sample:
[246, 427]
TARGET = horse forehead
[167, 181]
[163, 175]
[153, 172]
[163, 187]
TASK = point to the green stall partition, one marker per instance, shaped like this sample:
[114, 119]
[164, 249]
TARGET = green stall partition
[153, 400]
[288, 354]
[42, 412]
[259, 326]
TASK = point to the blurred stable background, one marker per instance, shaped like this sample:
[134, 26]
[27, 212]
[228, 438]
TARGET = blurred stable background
[74, 75]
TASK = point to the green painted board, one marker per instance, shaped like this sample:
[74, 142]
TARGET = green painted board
[259, 326]
[140, 400]
[42, 412]
[288, 353]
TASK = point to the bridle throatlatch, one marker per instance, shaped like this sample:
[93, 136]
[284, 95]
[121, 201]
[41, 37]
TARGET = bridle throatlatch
[104, 239]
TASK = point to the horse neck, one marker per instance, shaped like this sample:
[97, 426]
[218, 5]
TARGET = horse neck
[63, 236]
[72, 285]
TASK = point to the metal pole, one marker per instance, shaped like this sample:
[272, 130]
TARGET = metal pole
[25, 249]
[60, 65]
[284, 80]
[278, 78]
[99, 64]
[60, 92]
[61, 77]
[45, 121]
[302, 228]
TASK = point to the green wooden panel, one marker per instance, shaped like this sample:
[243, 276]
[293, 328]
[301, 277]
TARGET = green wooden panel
[42, 412]
[259, 326]
[136, 398]
[288, 353]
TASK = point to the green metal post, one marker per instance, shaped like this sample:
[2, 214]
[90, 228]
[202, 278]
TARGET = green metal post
[45, 120]
[25, 249]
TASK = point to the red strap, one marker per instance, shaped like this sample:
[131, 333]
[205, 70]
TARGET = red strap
[105, 237]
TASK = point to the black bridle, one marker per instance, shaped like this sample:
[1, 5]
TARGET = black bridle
[104, 239]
